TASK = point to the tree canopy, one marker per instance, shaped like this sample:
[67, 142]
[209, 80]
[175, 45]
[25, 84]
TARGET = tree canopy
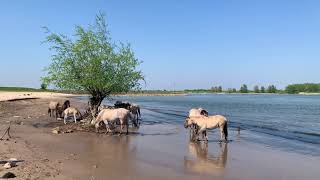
[244, 88]
[306, 87]
[92, 62]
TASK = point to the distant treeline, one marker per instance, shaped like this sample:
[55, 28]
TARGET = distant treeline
[290, 89]
[244, 89]
[306, 87]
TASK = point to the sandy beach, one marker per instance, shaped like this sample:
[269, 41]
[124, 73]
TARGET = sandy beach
[152, 152]
[9, 96]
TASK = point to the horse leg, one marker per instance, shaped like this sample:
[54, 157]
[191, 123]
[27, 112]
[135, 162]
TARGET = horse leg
[107, 128]
[221, 133]
[127, 124]
[193, 131]
[75, 118]
[206, 135]
[97, 127]
[121, 127]
[65, 119]
[200, 131]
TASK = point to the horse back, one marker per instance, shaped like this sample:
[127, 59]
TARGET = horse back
[53, 105]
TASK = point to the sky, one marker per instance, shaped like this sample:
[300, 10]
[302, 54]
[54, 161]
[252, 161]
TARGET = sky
[183, 44]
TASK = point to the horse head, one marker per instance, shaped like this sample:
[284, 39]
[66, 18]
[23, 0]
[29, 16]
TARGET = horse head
[203, 112]
[187, 122]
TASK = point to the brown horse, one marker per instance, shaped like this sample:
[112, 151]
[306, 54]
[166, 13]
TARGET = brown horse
[64, 106]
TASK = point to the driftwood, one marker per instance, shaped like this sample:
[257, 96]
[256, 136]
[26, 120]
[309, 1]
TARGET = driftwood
[6, 132]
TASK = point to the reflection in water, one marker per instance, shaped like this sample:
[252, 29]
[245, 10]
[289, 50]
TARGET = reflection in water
[114, 154]
[202, 162]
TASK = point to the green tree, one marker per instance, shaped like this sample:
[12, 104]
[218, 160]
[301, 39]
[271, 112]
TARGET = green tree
[262, 89]
[234, 90]
[244, 88]
[90, 61]
[271, 89]
[256, 89]
[43, 86]
[306, 87]
[216, 89]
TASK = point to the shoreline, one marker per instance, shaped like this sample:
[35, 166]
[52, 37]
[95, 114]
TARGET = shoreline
[157, 151]
[11, 96]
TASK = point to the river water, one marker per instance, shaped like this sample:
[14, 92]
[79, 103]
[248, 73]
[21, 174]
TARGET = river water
[288, 122]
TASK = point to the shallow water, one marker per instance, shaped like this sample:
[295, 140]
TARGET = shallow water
[289, 122]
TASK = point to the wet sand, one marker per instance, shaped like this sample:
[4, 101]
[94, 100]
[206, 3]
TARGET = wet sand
[153, 152]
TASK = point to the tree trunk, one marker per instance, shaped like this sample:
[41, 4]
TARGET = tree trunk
[95, 102]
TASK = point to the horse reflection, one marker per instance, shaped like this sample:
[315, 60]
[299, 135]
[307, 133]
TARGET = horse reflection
[202, 162]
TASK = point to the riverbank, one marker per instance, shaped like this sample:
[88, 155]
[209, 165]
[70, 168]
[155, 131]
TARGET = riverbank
[11, 96]
[157, 151]
[16, 95]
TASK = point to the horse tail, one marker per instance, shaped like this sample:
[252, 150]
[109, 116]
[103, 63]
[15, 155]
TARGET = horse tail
[132, 119]
[225, 131]
[49, 110]
[139, 112]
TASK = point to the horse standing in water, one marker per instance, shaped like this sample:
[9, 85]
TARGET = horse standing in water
[196, 112]
[111, 117]
[211, 122]
[135, 110]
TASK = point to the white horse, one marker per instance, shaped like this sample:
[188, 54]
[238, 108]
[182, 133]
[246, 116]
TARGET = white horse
[53, 108]
[111, 117]
[211, 122]
[71, 111]
[195, 112]
[102, 107]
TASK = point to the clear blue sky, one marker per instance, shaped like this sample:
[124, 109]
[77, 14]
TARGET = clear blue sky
[184, 44]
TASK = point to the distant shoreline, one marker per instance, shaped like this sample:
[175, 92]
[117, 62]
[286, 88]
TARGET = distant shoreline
[16, 93]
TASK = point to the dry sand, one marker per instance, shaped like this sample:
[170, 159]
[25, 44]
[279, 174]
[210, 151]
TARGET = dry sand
[7, 96]
[153, 152]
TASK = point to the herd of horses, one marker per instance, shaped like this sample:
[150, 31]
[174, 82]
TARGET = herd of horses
[122, 113]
